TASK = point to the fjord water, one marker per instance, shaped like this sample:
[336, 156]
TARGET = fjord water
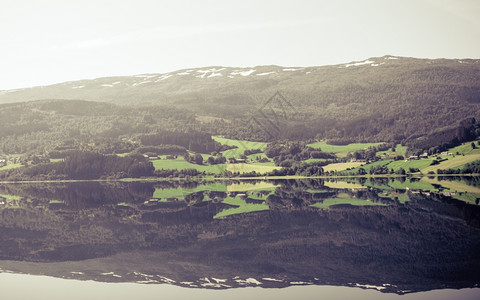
[378, 237]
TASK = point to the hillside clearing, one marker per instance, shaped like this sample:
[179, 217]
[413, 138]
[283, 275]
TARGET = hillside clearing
[241, 146]
[341, 166]
[452, 163]
[342, 148]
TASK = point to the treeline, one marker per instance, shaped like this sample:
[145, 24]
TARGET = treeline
[470, 168]
[192, 140]
[85, 165]
[162, 150]
[302, 169]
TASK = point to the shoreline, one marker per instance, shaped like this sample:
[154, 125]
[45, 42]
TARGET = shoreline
[212, 178]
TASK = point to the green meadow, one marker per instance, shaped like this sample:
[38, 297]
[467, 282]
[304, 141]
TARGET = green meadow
[242, 207]
[11, 166]
[241, 146]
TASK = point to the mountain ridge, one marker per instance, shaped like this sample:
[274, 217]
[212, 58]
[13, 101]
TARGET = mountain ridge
[121, 89]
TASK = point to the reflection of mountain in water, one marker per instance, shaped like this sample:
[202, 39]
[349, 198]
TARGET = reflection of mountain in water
[117, 232]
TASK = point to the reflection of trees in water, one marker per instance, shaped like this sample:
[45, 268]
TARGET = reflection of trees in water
[80, 195]
[470, 180]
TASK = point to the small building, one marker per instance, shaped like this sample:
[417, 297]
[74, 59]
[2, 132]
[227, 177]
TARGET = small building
[413, 157]
[444, 153]
[362, 160]
[236, 160]
[424, 155]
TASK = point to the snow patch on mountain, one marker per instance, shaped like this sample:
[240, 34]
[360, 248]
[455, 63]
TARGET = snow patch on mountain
[266, 73]
[243, 73]
[356, 64]
[163, 77]
[143, 82]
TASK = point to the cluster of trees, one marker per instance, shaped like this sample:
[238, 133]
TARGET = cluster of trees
[174, 173]
[196, 158]
[383, 170]
[191, 140]
[371, 152]
[441, 140]
[251, 151]
[303, 169]
[285, 153]
[85, 165]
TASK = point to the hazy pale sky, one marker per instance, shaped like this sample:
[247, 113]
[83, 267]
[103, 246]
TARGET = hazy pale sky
[50, 41]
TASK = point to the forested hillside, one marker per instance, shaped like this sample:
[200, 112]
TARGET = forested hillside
[417, 102]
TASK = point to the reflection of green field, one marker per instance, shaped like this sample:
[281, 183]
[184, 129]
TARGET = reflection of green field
[180, 193]
[241, 146]
[242, 208]
[352, 201]
[181, 164]
[246, 168]
[340, 184]
[412, 185]
[342, 148]
[10, 197]
[247, 186]
[469, 193]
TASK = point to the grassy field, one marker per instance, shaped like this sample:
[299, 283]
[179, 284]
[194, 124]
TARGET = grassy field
[352, 201]
[11, 166]
[396, 165]
[179, 164]
[367, 167]
[241, 146]
[246, 168]
[341, 166]
[342, 148]
[399, 150]
[242, 208]
[465, 148]
[452, 163]
[418, 164]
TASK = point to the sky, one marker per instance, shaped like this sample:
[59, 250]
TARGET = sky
[51, 41]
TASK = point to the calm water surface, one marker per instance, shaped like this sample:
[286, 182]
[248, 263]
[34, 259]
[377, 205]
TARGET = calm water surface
[414, 238]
